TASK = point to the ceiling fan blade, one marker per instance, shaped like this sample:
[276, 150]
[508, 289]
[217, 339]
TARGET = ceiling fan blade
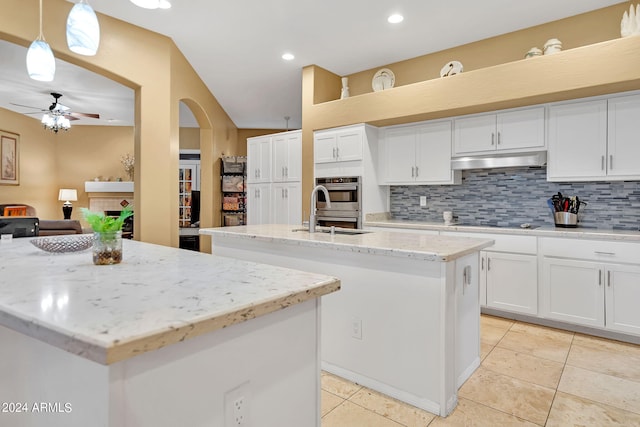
[70, 117]
[89, 115]
[27, 106]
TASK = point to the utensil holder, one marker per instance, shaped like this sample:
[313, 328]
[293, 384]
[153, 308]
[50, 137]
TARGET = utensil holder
[566, 219]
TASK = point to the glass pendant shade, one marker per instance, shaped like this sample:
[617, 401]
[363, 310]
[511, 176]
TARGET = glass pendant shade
[41, 65]
[83, 30]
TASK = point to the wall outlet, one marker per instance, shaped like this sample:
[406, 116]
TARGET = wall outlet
[423, 201]
[356, 328]
[236, 406]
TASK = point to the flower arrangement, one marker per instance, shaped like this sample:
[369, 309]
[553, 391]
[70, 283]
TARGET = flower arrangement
[102, 223]
[128, 162]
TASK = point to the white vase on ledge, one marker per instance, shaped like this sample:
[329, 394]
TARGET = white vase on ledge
[345, 88]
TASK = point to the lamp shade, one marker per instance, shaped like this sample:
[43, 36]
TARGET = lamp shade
[41, 65]
[83, 30]
[68, 194]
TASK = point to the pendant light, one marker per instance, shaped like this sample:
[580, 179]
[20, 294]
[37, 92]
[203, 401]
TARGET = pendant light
[152, 4]
[83, 29]
[41, 65]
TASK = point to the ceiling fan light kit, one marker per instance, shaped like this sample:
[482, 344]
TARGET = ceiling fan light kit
[41, 65]
[83, 29]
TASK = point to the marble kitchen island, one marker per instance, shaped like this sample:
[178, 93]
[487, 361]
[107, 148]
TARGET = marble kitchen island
[166, 338]
[406, 321]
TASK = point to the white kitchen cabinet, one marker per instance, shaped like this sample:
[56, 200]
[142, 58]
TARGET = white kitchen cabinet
[259, 159]
[274, 162]
[508, 131]
[417, 154]
[623, 139]
[577, 141]
[508, 272]
[597, 284]
[258, 203]
[287, 157]
[287, 203]
[338, 145]
[573, 291]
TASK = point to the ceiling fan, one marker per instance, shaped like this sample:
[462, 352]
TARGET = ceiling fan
[58, 116]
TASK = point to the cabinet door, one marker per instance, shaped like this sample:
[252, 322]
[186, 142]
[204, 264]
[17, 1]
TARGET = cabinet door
[573, 291]
[622, 295]
[259, 159]
[474, 134]
[399, 156]
[287, 157]
[349, 145]
[287, 207]
[324, 147]
[577, 141]
[433, 153]
[512, 282]
[624, 137]
[258, 204]
[520, 129]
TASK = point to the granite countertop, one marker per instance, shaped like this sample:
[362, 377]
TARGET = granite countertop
[406, 245]
[156, 297]
[545, 231]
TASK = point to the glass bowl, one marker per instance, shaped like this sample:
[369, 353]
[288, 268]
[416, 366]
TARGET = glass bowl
[64, 243]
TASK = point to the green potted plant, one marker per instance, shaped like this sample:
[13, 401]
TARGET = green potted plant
[107, 235]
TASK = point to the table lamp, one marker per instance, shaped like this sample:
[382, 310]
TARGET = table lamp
[68, 195]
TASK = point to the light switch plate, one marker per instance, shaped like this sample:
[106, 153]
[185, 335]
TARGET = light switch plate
[423, 201]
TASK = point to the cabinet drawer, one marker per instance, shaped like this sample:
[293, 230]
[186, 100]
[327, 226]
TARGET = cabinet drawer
[503, 242]
[596, 250]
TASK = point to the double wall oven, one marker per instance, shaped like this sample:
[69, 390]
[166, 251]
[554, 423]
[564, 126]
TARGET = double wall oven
[345, 194]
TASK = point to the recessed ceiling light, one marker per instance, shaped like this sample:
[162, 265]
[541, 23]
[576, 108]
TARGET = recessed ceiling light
[396, 18]
[288, 56]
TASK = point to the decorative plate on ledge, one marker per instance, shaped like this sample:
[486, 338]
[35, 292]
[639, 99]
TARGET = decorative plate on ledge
[383, 79]
[451, 68]
[65, 243]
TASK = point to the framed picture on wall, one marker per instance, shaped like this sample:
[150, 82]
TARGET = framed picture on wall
[9, 158]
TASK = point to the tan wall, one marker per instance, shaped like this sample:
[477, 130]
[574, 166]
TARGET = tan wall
[38, 169]
[189, 138]
[243, 134]
[126, 55]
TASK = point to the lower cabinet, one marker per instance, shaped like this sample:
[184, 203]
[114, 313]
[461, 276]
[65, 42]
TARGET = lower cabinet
[287, 203]
[592, 293]
[511, 281]
[258, 204]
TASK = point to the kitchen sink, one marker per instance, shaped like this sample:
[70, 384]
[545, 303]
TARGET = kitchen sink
[347, 231]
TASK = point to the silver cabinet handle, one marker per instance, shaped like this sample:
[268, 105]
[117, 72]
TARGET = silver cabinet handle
[610, 161]
[604, 253]
[282, 193]
[488, 263]
[334, 152]
[416, 171]
[609, 278]
[283, 173]
[413, 171]
[337, 151]
[602, 163]
[286, 193]
[599, 277]
[498, 138]
[482, 266]
[493, 138]
[286, 171]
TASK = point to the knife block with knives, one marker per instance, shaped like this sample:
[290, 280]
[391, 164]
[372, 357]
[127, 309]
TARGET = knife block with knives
[565, 210]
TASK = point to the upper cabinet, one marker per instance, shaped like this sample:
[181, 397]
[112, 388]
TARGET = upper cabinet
[509, 131]
[596, 139]
[259, 159]
[287, 157]
[417, 154]
[339, 145]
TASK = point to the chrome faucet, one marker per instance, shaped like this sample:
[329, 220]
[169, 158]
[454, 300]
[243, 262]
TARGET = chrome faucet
[312, 211]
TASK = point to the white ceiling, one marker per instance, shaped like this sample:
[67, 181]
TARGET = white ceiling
[236, 48]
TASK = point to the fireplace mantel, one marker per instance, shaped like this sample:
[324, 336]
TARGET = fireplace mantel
[108, 186]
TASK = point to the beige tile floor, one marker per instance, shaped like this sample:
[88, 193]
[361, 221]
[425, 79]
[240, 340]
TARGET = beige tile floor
[529, 376]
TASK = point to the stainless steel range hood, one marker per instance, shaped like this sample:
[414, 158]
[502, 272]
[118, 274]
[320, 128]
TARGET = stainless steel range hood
[538, 158]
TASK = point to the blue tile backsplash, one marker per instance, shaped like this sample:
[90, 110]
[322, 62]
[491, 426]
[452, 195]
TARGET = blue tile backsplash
[513, 196]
